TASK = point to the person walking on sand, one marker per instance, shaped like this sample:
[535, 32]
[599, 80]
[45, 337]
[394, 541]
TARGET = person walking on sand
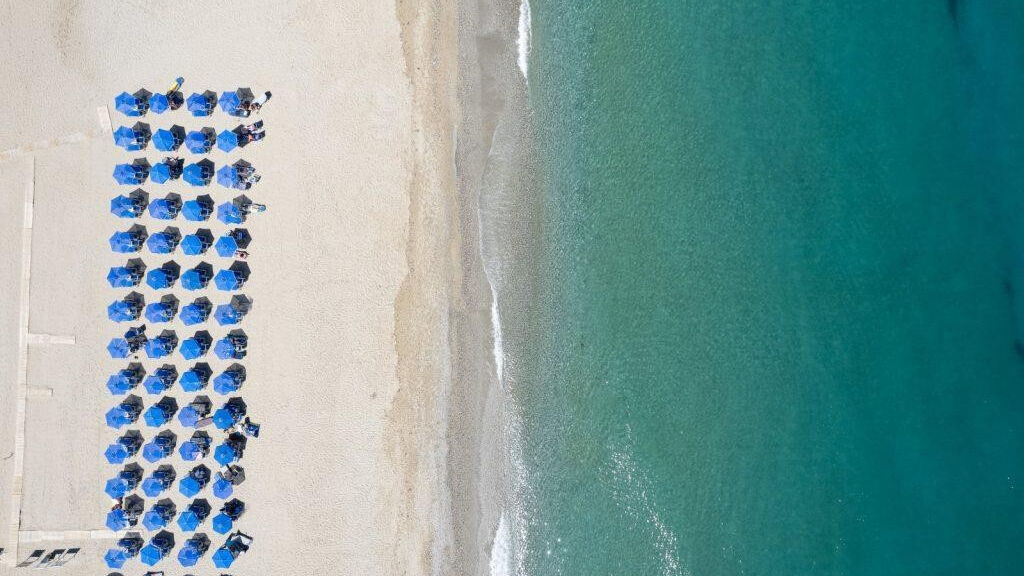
[241, 254]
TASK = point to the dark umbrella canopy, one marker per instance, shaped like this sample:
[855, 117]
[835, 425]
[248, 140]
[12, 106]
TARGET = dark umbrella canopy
[193, 549]
[199, 173]
[231, 101]
[198, 210]
[170, 139]
[198, 243]
[195, 481]
[198, 446]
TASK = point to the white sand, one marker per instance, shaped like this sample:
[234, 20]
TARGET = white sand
[347, 475]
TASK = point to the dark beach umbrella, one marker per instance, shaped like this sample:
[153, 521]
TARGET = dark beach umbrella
[157, 549]
[125, 379]
[201, 141]
[230, 414]
[160, 480]
[125, 481]
[193, 549]
[161, 380]
[198, 511]
[163, 277]
[131, 205]
[198, 409]
[232, 347]
[136, 104]
[167, 169]
[195, 378]
[162, 311]
[127, 276]
[131, 240]
[195, 481]
[198, 243]
[198, 446]
[197, 278]
[161, 446]
[231, 450]
[199, 173]
[125, 413]
[166, 208]
[231, 101]
[126, 549]
[160, 103]
[164, 242]
[134, 138]
[233, 278]
[198, 210]
[161, 413]
[196, 346]
[126, 515]
[163, 345]
[229, 514]
[126, 446]
[228, 140]
[201, 104]
[169, 139]
[127, 309]
[197, 312]
[230, 380]
[159, 515]
[132, 174]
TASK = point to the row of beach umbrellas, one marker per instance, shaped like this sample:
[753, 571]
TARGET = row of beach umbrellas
[232, 102]
[138, 136]
[133, 306]
[136, 203]
[131, 408]
[196, 278]
[132, 511]
[162, 445]
[237, 175]
[233, 346]
[161, 545]
[194, 379]
[167, 241]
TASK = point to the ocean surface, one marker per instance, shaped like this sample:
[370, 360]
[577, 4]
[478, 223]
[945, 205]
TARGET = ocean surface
[773, 321]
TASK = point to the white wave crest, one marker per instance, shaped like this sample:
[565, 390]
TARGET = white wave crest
[525, 39]
[501, 549]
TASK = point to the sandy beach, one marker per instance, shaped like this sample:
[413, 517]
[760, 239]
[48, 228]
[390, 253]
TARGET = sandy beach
[369, 357]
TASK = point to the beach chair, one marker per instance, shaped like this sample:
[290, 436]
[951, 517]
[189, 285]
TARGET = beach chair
[45, 563]
[67, 557]
[32, 558]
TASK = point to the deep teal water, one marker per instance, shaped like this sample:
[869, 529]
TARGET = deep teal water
[780, 297]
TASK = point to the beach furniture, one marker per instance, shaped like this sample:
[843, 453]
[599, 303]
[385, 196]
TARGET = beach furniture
[131, 240]
[49, 558]
[233, 277]
[198, 210]
[201, 141]
[158, 548]
[194, 515]
[159, 481]
[169, 139]
[32, 559]
[132, 174]
[134, 138]
[66, 557]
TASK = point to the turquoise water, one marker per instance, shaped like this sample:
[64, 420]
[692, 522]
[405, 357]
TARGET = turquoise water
[778, 308]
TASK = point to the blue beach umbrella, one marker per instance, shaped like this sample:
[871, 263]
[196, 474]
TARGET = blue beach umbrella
[201, 141]
[198, 210]
[126, 309]
[126, 549]
[132, 174]
[126, 514]
[228, 140]
[166, 169]
[136, 104]
[131, 205]
[169, 139]
[232, 278]
[227, 176]
[130, 240]
[166, 208]
[125, 413]
[226, 246]
[191, 415]
[232, 100]
[198, 446]
[196, 346]
[164, 242]
[197, 312]
[230, 380]
[195, 481]
[198, 243]
[190, 519]
[227, 315]
[195, 378]
[163, 345]
[201, 104]
[125, 379]
[161, 413]
[229, 514]
[160, 480]
[230, 213]
[162, 379]
[162, 311]
[159, 515]
[163, 277]
[160, 447]
[232, 347]
[127, 276]
[199, 173]
[198, 277]
[134, 138]
[222, 488]
[157, 549]
[125, 481]
[126, 446]
[193, 549]
[229, 452]
[230, 414]
[117, 520]
[160, 103]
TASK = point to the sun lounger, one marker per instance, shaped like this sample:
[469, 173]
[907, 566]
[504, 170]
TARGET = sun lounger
[31, 559]
[45, 563]
[67, 557]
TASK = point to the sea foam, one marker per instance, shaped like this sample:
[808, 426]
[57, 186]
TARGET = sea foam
[525, 38]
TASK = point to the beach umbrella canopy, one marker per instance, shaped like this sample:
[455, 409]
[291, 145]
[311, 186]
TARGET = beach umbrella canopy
[118, 520]
[230, 380]
[189, 417]
[201, 104]
[197, 278]
[226, 315]
[160, 413]
[196, 480]
[125, 481]
[125, 379]
[226, 246]
[123, 448]
[194, 515]
[232, 278]
[198, 243]
[162, 379]
[222, 523]
[163, 345]
[160, 103]
[229, 513]
[162, 311]
[163, 277]
[158, 548]
[119, 348]
[196, 346]
[124, 413]
[201, 141]
[166, 208]
[129, 105]
[134, 173]
[199, 443]
[130, 205]
[199, 173]
[230, 101]
[198, 210]
[229, 348]
[228, 140]
[230, 414]
[159, 515]
[167, 169]
[224, 557]
[193, 550]
[134, 138]
[196, 378]
[127, 548]
[197, 312]
[160, 480]
[230, 213]
[164, 242]
[226, 454]
[228, 177]
[127, 309]
[169, 139]
[160, 446]
[127, 276]
[130, 240]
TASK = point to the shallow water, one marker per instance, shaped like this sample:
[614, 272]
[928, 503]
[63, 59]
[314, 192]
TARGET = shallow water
[773, 324]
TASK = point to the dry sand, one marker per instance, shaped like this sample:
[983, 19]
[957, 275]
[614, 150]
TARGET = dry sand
[357, 272]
